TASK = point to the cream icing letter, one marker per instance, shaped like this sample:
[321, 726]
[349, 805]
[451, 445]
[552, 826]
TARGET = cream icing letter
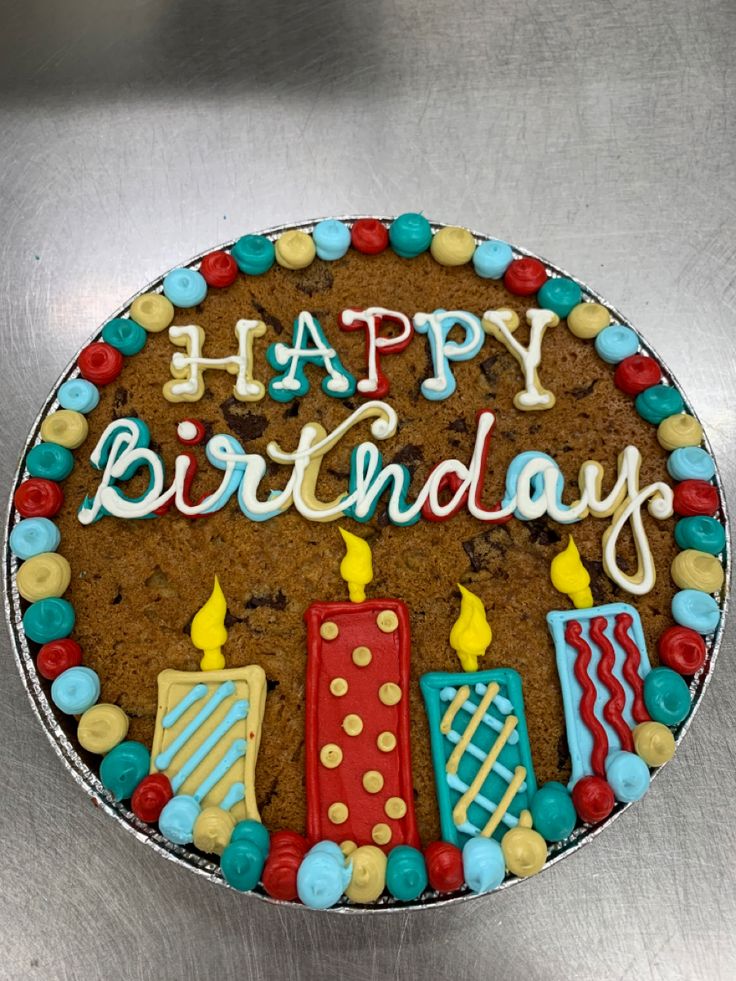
[502, 324]
[188, 368]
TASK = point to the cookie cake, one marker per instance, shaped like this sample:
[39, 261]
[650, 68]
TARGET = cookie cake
[366, 562]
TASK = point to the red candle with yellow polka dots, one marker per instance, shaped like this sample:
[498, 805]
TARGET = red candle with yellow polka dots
[358, 760]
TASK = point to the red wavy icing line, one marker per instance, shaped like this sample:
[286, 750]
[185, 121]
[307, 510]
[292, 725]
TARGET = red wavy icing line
[614, 707]
[631, 665]
[574, 637]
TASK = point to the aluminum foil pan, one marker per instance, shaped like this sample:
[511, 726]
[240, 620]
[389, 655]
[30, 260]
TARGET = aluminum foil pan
[189, 858]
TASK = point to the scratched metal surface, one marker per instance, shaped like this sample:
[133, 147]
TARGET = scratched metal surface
[135, 135]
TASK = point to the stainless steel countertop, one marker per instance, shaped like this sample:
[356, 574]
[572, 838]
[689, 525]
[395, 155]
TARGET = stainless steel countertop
[600, 135]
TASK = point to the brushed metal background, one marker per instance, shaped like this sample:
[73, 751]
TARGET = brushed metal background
[603, 136]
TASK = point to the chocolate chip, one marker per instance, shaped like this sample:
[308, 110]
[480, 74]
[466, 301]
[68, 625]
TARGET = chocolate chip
[276, 601]
[488, 367]
[272, 684]
[541, 533]
[585, 390]
[243, 422]
[120, 398]
[458, 426]
[316, 278]
[118, 598]
[292, 410]
[479, 549]
[266, 317]
[410, 455]
[230, 619]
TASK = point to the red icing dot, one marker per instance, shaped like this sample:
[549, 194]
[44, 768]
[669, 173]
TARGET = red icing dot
[219, 269]
[681, 649]
[58, 655]
[636, 373]
[444, 866]
[38, 498]
[593, 799]
[369, 236]
[286, 851]
[150, 797]
[694, 497]
[100, 363]
[525, 276]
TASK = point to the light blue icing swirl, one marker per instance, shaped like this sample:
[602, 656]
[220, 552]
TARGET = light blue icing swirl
[323, 876]
[691, 463]
[331, 239]
[484, 867]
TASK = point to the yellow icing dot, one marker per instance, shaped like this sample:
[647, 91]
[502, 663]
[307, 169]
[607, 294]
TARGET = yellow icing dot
[369, 874]
[387, 621]
[153, 311]
[353, 725]
[395, 807]
[453, 246]
[524, 850]
[390, 694]
[679, 430]
[213, 830]
[43, 575]
[339, 687]
[338, 812]
[65, 427]
[693, 569]
[295, 250]
[362, 656]
[330, 755]
[102, 727]
[329, 630]
[386, 742]
[654, 742]
[381, 834]
[372, 781]
[347, 847]
[587, 320]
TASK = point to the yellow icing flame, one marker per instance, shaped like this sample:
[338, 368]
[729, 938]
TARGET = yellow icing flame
[569, 575]
[357, 566]
[471, 633]
[208, 631]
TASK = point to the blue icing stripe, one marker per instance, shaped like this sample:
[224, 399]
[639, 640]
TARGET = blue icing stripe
[236, 752]
[615, 343]
[199, 691]
[233, 796]
[691, 463]
[225, 690]
[236, 713]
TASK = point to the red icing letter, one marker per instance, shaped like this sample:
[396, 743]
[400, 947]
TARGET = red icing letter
[371, 320]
